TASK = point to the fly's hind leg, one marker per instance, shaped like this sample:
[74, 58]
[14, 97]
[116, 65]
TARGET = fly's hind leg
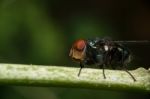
[124, 66]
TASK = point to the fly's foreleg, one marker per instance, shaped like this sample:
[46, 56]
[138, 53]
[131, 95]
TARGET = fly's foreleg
[81, 66]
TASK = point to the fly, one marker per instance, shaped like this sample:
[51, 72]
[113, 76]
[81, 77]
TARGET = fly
[102, 52]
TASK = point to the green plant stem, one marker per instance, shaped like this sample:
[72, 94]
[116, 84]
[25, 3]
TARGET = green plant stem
[33, 75]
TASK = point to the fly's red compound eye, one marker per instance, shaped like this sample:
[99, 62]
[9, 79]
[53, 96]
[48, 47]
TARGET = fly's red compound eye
[80, 44]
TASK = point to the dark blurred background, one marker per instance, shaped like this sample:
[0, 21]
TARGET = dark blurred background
[42, 31]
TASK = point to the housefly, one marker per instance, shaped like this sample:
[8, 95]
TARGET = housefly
[102, 52]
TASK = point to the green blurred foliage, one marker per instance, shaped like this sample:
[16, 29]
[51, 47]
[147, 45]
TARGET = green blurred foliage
[41, 32]
[30, 34]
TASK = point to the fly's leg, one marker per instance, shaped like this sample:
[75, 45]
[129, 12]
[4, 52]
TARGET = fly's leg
[103, 65]
[124, 67]
[81, 66]
[104, 71]
[129, 74]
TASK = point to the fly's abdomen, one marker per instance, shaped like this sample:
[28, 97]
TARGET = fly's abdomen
[120, 56]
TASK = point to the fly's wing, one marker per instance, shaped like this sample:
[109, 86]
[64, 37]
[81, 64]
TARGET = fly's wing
[133, 42]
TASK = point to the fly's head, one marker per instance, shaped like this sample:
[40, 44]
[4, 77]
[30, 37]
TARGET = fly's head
[78, 50]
